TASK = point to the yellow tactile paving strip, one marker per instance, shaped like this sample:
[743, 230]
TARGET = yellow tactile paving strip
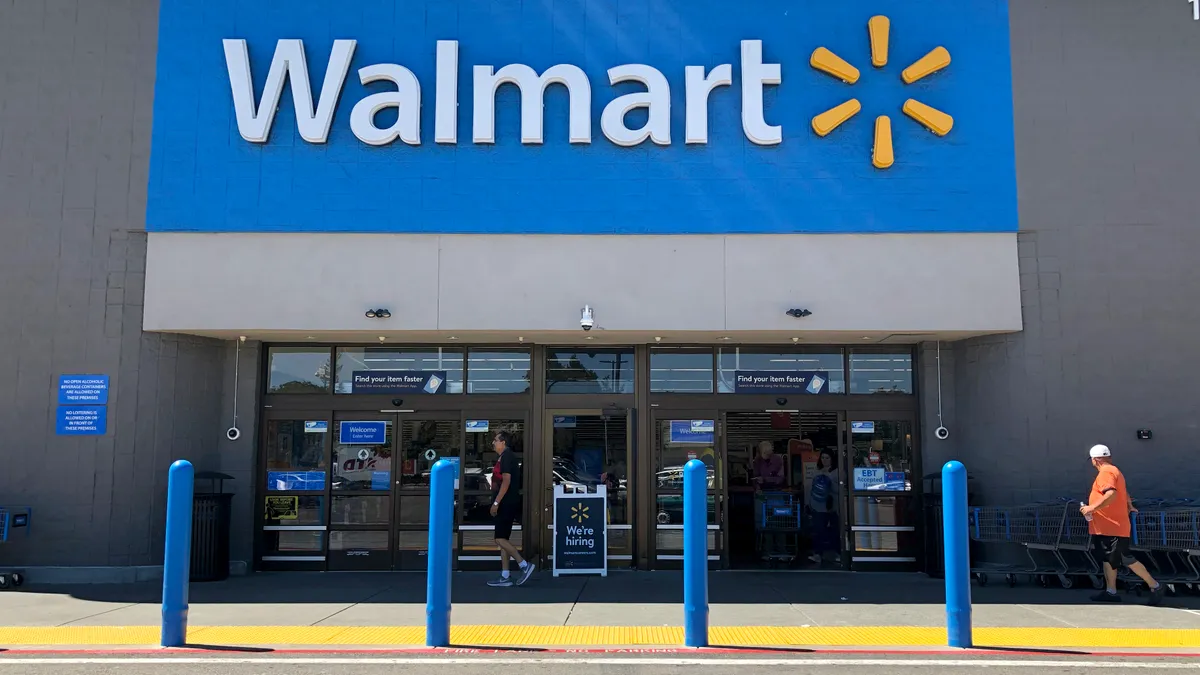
[607, 636]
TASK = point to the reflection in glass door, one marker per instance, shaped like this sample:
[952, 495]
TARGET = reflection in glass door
[678, 438]
[882, 503]
[295, 465]
[361, 484]
[591, 448]
[379, 514]
[423, 441]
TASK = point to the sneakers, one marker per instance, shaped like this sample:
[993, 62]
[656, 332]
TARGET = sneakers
[500, 582]
[1156, 596]
[528, 572]
[1105, 596]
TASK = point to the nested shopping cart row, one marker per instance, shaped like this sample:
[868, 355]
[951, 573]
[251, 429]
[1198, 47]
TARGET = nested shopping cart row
[1054, 538]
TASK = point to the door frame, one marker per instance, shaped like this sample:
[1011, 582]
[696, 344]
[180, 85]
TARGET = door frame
[898, 562]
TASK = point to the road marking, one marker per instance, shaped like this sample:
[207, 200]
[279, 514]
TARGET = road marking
[617, 661]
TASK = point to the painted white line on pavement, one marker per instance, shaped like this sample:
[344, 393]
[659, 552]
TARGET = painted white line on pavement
[494, 662]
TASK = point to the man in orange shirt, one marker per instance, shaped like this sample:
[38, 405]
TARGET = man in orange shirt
[1108, 509]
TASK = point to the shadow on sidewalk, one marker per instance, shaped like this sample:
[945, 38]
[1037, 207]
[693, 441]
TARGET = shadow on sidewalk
[634, 588]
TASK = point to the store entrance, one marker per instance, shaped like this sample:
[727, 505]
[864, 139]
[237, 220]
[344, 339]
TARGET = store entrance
[785, 490]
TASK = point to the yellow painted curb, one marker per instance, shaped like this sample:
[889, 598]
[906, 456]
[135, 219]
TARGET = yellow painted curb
[580, 636]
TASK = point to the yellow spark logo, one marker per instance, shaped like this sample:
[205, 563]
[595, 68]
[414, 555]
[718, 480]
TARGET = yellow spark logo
[579, 512]
[882, 156]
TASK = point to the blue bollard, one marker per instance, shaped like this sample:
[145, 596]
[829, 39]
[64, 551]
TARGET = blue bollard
[695, 554]
[177, 558]
[958, 564]
[441, 529]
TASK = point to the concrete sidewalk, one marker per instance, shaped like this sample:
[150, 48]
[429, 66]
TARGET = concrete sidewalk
[624, 608]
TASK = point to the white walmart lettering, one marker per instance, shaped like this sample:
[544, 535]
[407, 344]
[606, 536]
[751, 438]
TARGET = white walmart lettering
[255, 118]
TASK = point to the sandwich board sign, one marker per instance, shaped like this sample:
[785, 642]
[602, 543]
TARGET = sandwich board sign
[580, 530]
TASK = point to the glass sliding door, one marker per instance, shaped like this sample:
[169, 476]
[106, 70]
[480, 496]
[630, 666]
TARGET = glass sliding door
[591, 448]
[681, 436]
[361, 502]
[883, 505]
[475, 501]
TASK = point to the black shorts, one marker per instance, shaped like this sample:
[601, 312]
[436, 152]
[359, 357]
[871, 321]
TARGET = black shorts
[1113, 550]
[507, 514]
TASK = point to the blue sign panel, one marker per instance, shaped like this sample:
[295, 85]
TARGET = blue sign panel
[295, 480]
[564, 421]
[781, 382]
[362, 433]
[692, 431]
[316, 427]
[477, 426]
[398, 382]
[81, 420]
[862, 427]
[85, 389]
[741, 145]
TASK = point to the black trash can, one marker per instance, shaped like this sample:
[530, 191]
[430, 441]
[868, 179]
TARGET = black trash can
[210, 528]
[935, 557]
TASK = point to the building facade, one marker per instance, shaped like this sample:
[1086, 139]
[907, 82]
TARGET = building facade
[367, 238]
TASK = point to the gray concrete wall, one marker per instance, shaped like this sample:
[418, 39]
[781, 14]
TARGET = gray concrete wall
[75, 115]
[884, 283]
[1107, 102]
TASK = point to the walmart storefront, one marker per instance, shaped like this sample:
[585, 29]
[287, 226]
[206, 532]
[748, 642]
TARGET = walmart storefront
[631, 234]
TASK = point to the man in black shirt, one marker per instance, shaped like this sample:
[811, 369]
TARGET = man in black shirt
[506, 508]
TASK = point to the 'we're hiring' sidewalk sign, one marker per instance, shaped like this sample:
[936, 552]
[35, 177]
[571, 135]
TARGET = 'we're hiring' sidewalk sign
[580, 530]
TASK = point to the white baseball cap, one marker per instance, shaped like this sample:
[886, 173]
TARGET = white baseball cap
[1099, 451]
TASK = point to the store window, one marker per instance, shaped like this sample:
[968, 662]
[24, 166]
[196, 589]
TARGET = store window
[774, 371]
[295, 455]
[297, 370]
[880, 373]
[589, 371]
[392, 370]
[498, 371]
[681, 370]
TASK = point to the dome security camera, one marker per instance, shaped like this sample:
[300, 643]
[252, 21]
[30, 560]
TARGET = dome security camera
[942, 433]
[587, 318]
[233, 433]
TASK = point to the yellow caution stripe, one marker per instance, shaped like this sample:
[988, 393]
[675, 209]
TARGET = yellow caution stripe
[608, 636]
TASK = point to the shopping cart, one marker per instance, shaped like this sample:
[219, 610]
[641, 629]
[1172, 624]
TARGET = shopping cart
[1165, 536]
[1053, 535]
[12, 520]
[777, 527]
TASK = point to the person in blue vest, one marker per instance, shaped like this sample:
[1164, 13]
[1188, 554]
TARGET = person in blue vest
[822, 504]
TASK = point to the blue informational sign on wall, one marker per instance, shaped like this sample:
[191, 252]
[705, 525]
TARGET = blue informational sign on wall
[362, 433]
[564, 421]
[398, 382]
[477, 426]
[407, 116]
[82, 389]
[781, 382]
[862, 427]
[316, 427]
[81, 420]
[693, 431]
